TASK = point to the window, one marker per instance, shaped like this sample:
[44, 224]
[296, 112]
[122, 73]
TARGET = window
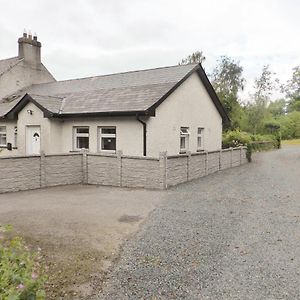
[81, 138]
[184, 139]
[3, 136]
[200, 139]
[107, 139]
[16, 137]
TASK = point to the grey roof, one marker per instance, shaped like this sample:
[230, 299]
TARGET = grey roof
[130, 91]
[7, 64]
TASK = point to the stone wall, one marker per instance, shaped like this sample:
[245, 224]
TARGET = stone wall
[31, 172]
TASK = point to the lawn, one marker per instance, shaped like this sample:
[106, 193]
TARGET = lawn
[291, 142]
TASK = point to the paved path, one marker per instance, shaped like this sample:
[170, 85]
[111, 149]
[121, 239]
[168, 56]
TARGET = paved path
[231, 235]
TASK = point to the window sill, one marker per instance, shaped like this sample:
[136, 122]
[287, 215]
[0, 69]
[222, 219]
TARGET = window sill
[200, 150]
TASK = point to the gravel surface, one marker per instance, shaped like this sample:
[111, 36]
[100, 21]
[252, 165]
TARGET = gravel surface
[231, 235]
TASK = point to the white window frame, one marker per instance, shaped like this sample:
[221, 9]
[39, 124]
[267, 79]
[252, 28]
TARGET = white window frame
[3, 133]
[76, 135]
[106, 135]
[201, 136]
[184, 133]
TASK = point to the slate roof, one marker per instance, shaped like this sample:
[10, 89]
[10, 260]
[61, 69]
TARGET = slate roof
[7, 64]
[129, 92]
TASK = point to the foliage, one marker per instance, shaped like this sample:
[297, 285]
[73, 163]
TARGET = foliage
[196, 57]
[257, 109]
[19, 269]
[292, 90]
[290, 125]
[235, 138]
[227, 81]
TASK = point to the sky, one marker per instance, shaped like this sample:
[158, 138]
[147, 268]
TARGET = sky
[93, 37]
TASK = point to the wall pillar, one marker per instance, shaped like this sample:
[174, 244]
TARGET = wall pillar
[43, 169]
[119, 158]
[189, 155]
[85, 175]
[206, 163]
[163, 169]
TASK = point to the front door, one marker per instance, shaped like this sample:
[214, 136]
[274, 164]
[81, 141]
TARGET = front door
[33, 140]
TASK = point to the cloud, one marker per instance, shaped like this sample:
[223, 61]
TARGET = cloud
[89, 37]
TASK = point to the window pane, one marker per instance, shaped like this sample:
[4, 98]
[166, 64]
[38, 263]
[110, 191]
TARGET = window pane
[2, 129]
[182, 143]
[108, 130]
[108, 143]
[82, 142]
[184, 130]
[82, 130]
[200, 130]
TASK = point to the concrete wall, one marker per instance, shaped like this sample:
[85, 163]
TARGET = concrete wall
[188, 106]
[23, 173]
[32, 172]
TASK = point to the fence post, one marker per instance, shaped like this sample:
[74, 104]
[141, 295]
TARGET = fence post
[119, 158]
[220, 159]
[206, 163]
[43, 169]
[189, 155]
[163, 169]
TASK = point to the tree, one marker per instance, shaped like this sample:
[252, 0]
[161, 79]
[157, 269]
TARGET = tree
[292, 90]
[263, 89]
[227, 80]
[196, 57]
[277, 108]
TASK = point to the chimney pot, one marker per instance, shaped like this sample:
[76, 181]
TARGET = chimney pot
[24, 33]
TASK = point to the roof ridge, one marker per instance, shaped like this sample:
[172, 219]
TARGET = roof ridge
[112, 74]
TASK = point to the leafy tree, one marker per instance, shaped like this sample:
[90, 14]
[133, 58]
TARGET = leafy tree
[277, 108]
[257, 109]
[227, 80]
[196, 57]
[292, 90]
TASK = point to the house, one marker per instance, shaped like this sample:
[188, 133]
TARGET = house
[142, 113]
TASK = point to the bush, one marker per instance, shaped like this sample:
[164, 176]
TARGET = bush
[19, 269]
[235, 138]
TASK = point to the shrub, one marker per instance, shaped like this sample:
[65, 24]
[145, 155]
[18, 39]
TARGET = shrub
[235, 138]
[20, 277]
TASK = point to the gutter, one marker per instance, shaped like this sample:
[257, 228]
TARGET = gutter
[144, 135]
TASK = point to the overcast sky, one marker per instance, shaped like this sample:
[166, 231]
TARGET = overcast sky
[93, 37]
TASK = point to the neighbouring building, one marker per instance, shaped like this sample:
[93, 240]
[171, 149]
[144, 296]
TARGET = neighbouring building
[142, 113]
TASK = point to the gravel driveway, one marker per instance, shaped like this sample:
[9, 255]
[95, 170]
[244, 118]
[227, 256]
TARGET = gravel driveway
[231, 235]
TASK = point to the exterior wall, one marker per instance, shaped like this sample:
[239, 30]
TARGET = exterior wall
[30, 172]
[188, 106]
[10, 138]
[129, 133]
[36, 119]
[23, 75]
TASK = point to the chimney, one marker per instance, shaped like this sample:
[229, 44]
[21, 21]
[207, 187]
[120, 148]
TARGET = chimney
[30, 49]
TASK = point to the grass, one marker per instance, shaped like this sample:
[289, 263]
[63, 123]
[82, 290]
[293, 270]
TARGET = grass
[291, 142]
